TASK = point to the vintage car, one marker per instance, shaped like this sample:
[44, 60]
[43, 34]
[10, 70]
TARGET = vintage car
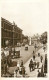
[26, 47]
[16, 53]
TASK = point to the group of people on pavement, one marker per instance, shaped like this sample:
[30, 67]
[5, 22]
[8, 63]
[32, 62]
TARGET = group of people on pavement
[32, 65]
[20, 69]
[6, 62]
[35, 65]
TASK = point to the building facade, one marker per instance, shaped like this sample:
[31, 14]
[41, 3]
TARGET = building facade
[24, 39]
[35, 39]
[43, 38]
[10, 32]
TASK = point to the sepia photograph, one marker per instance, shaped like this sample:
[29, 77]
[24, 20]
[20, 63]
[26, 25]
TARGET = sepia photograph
[24, 38]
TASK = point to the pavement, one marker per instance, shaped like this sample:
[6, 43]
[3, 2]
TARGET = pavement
[26, 64]
[35, 72]
[26, 56]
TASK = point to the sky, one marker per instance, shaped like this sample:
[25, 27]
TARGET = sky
[30, 15]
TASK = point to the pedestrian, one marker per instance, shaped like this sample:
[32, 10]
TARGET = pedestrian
[38, 54]
[31, 65]
[23, 71]
[10, 50]
[41, 59]
[34, 57]
[33, 52]
[37, 64]
[14, 73]
[35, 47]
[20, 72]
[9, 61]
[42, 72]
[39, 74]
[21, 63]
[44, 48]
[18, 65]
[4, 69]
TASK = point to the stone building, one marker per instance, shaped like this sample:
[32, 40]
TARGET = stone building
[10, 32]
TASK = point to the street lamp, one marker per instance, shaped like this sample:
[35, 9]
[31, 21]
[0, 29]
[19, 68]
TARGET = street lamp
[13, 35]
[13, 31]
[4, 58]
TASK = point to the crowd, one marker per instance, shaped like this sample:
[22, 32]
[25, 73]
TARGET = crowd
[20, 69]
[42, 71]
[33, 64]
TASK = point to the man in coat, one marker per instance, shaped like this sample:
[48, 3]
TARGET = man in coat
[31, 65]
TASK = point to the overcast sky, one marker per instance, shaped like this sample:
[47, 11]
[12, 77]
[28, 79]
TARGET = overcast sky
[30, 16]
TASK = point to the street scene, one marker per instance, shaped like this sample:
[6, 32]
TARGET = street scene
[23, 49]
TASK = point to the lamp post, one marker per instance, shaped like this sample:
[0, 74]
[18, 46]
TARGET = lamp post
[13, 35]
[5, 58]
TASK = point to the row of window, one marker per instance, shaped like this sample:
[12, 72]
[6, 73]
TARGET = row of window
[10, 41]
[9, 27]
[4, 40]
[10, 34]
[16, 35]
[6, 26]
[6, 34]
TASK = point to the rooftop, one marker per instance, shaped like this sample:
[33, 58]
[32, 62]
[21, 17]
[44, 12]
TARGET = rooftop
[2, 19]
